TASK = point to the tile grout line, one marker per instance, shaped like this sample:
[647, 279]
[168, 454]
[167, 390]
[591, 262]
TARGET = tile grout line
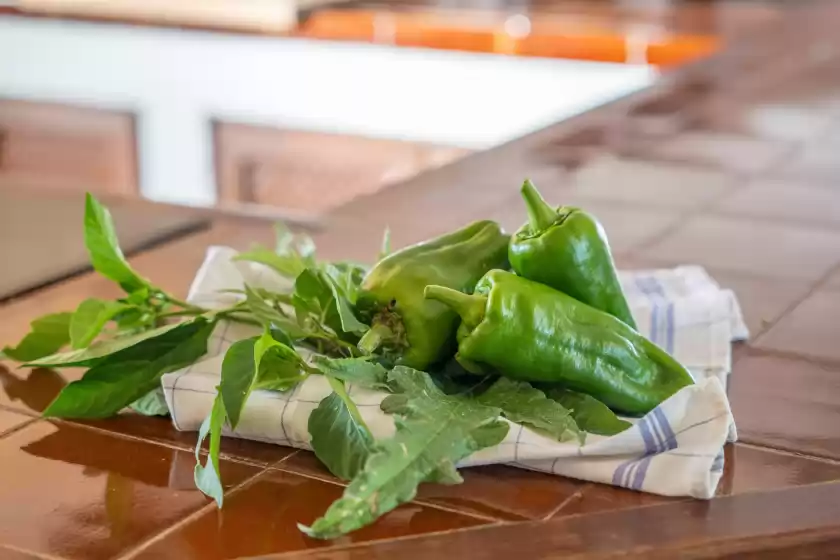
[18, 427]
[342, 547]
[420, 501]
[138, 548]
[788, 451]
[36, 554]
[580, 492]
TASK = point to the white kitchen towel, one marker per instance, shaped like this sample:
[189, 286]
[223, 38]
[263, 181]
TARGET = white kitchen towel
[675, 450]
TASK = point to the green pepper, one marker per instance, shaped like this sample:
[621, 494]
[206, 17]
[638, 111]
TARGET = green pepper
[567, 249]
[528, 331]
[405, 326]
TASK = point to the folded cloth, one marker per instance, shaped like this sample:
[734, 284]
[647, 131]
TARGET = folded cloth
[675, 450]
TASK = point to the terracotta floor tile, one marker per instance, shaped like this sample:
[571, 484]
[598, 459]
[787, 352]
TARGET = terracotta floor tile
[655, 184]
[746, 469]
[751, 469]
[762, 300]
[597, 498]
[810, 329]
[834, 280]
[817, 159]
[10, 420]
[160, 430]
[496, 491]
[626, 227]
[785, 201]
[773, 121]
[12, 554]
[78, 493]
[785, 403]
[723, 150]
[759, 248]
[262, 518]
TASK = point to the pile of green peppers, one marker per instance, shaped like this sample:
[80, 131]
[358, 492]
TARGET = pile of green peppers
[544, 305]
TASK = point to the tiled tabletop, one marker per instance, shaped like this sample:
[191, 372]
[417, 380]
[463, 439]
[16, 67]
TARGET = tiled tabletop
[750, 193]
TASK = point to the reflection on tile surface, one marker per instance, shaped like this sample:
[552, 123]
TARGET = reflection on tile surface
[497, 491]
[749, 469]
[262, 518]
[81, 494]
[597, 498]
[810, 329]
[804, 399]
[161, 430]
[31, 391]
[761, 248]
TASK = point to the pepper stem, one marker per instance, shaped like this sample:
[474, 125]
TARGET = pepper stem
[469, 307]
[540, 214]
[374, 338]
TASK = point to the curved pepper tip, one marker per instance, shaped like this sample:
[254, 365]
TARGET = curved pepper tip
[540, 214]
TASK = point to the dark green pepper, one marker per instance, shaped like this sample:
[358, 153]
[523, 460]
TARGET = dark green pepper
[414, 331]
[567, 249]
[528, 331]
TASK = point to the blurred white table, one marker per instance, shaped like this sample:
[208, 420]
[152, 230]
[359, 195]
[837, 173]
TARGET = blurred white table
[177, 82]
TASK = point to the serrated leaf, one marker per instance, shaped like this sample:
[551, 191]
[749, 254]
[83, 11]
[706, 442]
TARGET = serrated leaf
[152, 403]
[358, 371]
[104, 249]
[90, 318]
[207, 477]
[523, 404]
[591, 415]
[122, 378]
[256, 363]
[102, 349]
[434, 432]
[47, 335]
[339, 437]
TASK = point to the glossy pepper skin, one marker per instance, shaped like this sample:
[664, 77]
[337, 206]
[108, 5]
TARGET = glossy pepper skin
[528, 331]
[415, 331]
[567, 249]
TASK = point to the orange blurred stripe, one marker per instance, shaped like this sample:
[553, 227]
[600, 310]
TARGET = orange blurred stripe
[546, 39]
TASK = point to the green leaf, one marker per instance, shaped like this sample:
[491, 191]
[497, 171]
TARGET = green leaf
[101, 349]
[385, 249]
[207, 477]
[339, 436]
[523, 404]
[347, 277]
[104, 248]
[152, 403]
[434, 432]
[271, 317]
[288, 266]
[257, 363]
[122, 378]
[89, 319]
[349, 322]
[591, 415]
[358, 371]
[279, 367]
[48, 334]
